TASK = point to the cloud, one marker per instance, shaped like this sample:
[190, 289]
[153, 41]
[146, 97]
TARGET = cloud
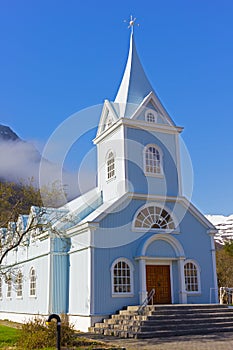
[20, 160]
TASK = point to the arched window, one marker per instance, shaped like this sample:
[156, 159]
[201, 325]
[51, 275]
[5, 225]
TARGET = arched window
[19, 285]
[192, 277]
[32, 290]
[9, 287]
[110, 165]
[122, 277]
[154, 217]
[151, 116]
[152, 160]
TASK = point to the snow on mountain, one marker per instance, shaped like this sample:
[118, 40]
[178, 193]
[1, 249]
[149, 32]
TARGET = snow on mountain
[224, 225]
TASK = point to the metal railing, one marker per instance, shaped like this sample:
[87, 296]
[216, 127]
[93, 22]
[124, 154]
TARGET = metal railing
[226, 295]
[146, 302]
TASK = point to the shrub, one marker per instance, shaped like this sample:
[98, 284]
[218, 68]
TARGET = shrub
[37, 335]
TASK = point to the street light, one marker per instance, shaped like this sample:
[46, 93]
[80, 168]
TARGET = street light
[58, 319]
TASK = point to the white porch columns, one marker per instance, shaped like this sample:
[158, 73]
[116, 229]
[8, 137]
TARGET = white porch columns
[182, 292]
[213, 290]
[142, 280]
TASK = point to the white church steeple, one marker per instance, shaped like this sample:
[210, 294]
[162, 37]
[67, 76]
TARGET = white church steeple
[135, 85]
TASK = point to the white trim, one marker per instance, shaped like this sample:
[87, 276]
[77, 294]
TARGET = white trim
[152, 258]
[165, 237]
[182, 290]
[97, 215]
[107, 107]
[213, 253]
[131, 269]
[139, 124]
[178, 165]
[152, 98]
[145, 260]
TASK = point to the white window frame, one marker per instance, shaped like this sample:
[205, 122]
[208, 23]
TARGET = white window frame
[151, 116]
[9, 288]
[32, 283]
[110, 168]
[1, 293]
[131, 273]
[198, 277]
[19, 285]
[153, 161]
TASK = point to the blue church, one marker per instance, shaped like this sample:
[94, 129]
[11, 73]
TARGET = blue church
[134, 232]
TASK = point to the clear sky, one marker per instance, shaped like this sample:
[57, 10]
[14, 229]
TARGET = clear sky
[58, 57]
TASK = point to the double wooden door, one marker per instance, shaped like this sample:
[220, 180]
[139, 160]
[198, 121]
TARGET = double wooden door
[158, 277]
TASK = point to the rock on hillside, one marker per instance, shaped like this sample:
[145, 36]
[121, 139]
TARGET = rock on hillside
[224, 224]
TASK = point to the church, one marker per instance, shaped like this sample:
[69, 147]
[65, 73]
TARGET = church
[134, 232]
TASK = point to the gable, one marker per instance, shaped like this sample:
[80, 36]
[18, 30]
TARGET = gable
[151, 108]
[107, 118]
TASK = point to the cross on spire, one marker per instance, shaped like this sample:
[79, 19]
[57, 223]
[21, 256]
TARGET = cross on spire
[132, 22]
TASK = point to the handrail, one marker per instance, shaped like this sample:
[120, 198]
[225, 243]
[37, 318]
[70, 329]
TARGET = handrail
[226, 295]
[146, 301]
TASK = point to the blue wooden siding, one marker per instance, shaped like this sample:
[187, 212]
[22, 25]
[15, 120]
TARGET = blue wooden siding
[193, 237]
[160, 249]
[135, 162]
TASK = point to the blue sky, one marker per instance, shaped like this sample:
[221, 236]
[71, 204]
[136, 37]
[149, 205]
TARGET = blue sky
[58, 57]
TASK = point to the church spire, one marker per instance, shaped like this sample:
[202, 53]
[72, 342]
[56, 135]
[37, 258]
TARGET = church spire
[134, 86]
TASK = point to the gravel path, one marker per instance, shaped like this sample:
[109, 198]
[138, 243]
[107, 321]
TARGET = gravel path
[218, 341]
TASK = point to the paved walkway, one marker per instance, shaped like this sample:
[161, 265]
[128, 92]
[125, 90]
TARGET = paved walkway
[218, 341]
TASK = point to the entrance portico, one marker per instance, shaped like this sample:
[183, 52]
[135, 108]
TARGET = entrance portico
[161, 257]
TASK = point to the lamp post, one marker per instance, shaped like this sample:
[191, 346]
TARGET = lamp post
[58, 319]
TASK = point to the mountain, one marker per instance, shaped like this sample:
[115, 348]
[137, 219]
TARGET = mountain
[6, 134]
[224, 224]
[21, 161]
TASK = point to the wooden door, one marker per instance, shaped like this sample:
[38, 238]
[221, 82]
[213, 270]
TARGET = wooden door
[158, 277]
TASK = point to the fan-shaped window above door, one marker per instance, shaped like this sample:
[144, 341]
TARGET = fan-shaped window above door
[154, 217]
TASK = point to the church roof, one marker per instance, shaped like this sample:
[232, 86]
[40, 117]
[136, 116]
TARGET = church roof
[135, 85]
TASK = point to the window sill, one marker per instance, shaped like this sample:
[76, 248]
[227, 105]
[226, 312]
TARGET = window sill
[192, 294]
[122, 295]
[160, 176]
[111, 179]
[155, 230]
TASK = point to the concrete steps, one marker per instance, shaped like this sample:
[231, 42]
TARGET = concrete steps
[167, 320]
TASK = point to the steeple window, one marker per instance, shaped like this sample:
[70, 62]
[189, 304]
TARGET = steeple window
[153, 160]
[110, 166]
[151, 116]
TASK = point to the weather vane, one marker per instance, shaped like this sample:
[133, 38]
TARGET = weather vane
[131, 22]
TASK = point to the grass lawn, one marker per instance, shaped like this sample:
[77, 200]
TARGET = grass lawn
[10, 333]
[8, 336]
